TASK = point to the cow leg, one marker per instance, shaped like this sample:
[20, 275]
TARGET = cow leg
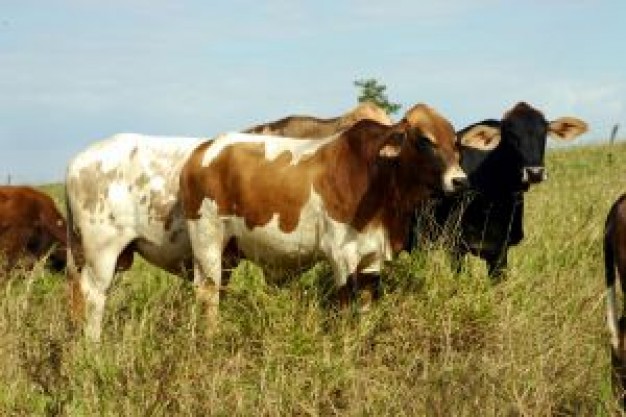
[345, 294]
[364, 286]
[344, 279]
[618, 362]
[497, 264]
[207, 243]
[96, 277]
[368, 289]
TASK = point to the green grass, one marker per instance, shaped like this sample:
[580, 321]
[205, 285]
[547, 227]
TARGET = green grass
[435, 345]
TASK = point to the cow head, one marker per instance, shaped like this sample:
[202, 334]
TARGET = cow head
[525, 131]
[518, 160]
[425, 145]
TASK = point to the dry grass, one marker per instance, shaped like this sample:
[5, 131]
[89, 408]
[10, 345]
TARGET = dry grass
[435, 345]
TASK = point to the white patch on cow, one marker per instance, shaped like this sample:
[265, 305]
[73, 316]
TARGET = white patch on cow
[316, 236]
[117, 193]
[274, 145]
[157, 183]
[611, 316]
[453, 172]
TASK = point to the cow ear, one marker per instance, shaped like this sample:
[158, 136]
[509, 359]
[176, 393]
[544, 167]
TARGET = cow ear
[482, 137]
[566, 128]
[392, 147]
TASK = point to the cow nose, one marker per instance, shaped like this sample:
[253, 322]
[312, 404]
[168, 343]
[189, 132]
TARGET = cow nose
[460, 183]
[533, 175]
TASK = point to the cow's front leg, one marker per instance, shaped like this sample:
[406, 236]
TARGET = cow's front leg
[368, 289]
[497, 264]
[206, 238]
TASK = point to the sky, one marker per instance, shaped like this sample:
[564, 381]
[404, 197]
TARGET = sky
[73, 72]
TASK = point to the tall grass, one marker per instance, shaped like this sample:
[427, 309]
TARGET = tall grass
[436, 344]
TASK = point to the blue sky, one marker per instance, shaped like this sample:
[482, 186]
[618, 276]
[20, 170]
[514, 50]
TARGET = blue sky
[76, 71]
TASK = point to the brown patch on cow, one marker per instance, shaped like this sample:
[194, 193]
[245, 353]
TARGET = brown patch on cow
[356, 186]
[299, 126]
[94, 191]
[30, 228]
[286, 186]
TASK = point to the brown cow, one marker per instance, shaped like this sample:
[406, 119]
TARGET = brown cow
[347, 198]
[299, 126]
[30, 228]
[615, 260]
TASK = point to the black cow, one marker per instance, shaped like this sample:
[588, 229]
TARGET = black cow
[490, 214]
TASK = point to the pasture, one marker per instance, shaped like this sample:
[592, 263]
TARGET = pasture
[436, 344]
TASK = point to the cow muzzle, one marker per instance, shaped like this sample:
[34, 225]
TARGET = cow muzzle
[455, 180]
[534, 175]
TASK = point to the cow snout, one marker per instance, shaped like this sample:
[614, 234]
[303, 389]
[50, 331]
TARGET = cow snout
[460, 183]
[455, 180]
[534, 175]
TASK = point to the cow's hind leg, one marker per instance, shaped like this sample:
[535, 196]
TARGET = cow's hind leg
[101, 253]
[95, 279]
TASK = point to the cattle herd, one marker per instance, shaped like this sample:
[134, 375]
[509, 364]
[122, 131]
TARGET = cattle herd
[352, 190]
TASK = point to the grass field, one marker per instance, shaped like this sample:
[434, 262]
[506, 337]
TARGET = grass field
[435, 345]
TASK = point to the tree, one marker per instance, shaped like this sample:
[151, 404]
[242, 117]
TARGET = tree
[372, 91]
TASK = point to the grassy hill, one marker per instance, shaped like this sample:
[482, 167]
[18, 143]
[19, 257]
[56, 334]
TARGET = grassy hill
[435, 345]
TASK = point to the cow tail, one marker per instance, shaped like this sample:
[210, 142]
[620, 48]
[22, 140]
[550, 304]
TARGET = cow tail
[72, 240]
[612, 312]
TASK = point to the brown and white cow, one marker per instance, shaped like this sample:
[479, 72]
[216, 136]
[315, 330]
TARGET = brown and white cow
[122, 199]
[31, 227]
[299, 126]
[347, 198]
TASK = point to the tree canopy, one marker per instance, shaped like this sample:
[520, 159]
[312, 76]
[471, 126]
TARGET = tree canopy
[372, 90]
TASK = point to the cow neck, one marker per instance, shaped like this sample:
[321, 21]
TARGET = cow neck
[373, 191]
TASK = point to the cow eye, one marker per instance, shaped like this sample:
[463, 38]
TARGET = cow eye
[424, 143]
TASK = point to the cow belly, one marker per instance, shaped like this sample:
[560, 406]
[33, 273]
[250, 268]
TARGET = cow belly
[488, 227]
[165, 243]
[269, 245]
[173, 254]
[347, 249]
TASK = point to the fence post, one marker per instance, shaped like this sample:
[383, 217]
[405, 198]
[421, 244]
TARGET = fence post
[612, 140]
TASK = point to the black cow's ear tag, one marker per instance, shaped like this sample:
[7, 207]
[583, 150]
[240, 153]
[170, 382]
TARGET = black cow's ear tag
[392, 148]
